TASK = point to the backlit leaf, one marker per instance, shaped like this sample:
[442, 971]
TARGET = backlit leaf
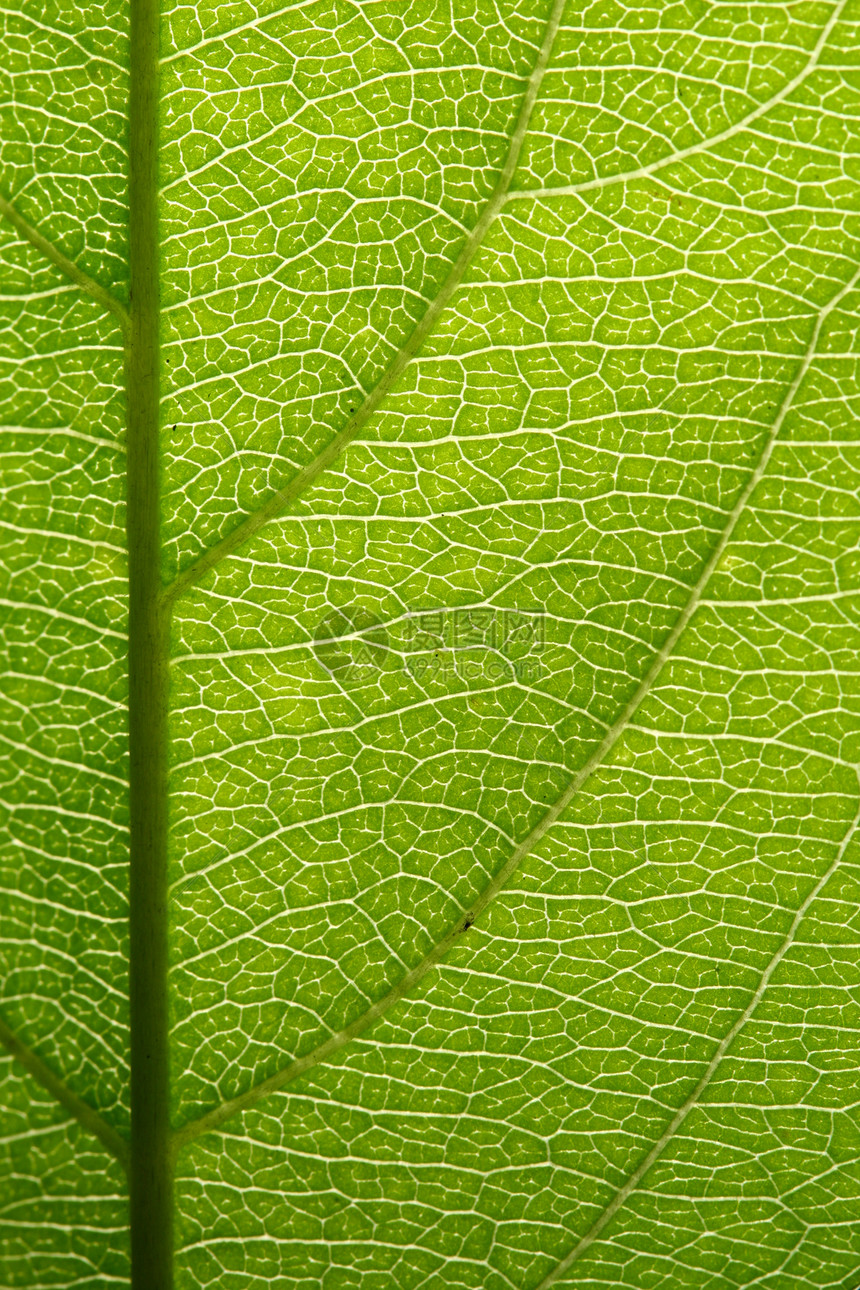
[510, 527]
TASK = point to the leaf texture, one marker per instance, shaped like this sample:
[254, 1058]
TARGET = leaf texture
[63, 853]
[510, 528]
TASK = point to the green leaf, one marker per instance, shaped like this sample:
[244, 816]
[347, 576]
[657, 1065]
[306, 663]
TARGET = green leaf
[472, 674]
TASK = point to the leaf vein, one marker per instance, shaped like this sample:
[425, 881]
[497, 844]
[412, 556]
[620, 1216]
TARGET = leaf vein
[75, 274]
[216, 1117]
[281, 499]
[642, 172]
[59, 1090]
[681, 1114]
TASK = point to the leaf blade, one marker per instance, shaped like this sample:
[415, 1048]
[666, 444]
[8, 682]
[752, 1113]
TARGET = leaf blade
[579, 591]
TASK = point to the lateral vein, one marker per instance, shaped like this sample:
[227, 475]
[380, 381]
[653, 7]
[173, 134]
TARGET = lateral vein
[723, 1047]
[281, 499]
[83, 280]
[213, 1119]
[642, 172]
[60, 1091]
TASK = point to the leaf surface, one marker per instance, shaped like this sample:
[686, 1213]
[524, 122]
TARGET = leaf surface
[510, 526]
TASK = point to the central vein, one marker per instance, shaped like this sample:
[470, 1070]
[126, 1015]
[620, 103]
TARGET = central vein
[150, 1175]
